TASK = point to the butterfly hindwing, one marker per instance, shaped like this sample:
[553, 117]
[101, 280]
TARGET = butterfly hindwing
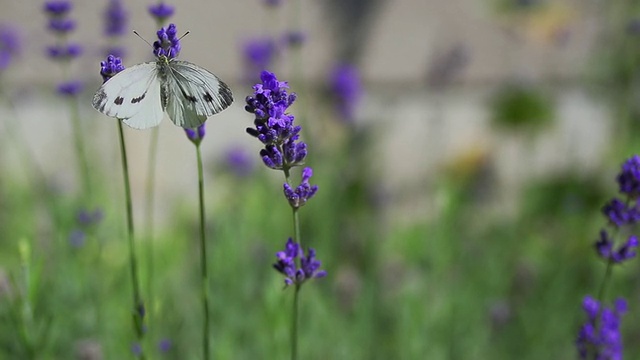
[202, 92]
[133, 95]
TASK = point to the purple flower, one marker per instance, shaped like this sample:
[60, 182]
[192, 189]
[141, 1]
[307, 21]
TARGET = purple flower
[115, 19]
[57, 8]
[9, 45]
[165, 345]
[237, 159]
[196, 135]
[298, 197]
[161, 12]
[346, 87]
[136, 349]
[64, 52]
[286, 264]
[629, 177]
[89, 217]
[274, 127]
[604, 247]
[61, 26]
[110, 67]
[168, 43]
[599, 337]
[620, 214]
[70, 88]
[259, 54]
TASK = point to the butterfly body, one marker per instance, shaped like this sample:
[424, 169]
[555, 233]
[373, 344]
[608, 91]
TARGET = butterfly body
[141, 94]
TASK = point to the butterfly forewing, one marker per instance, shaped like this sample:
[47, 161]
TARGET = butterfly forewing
[199, 86]
[133, 95]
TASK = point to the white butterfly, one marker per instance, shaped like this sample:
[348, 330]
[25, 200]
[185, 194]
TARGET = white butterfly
[139, 95]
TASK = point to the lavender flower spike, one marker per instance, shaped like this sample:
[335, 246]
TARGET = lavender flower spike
[116, 19]
[168, 43]
[196, 135]
[110, 67]
[9, 46]
[599, 337]
[161, 12]
[604, 247]
[274, 127]
[298, 197]
[286, 264]
[629, 177]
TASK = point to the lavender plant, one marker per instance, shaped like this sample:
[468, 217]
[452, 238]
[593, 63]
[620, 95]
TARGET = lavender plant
[346, 87]
[109, 68]
[283, 150]
[116, 19]
[64, 52]
[599, 337]
[161, 13]
[196, 136]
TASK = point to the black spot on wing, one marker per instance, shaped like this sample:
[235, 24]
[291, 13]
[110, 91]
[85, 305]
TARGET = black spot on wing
[208, 97]
[119, 100]
[138, 99]
[191, 98]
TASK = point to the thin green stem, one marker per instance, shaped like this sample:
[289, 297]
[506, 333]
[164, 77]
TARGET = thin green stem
[295, 310]
[296, 226]
[605, 280]
[203, 259]
[81, 154]
[294, 324]
[150, 212]
[138, 305]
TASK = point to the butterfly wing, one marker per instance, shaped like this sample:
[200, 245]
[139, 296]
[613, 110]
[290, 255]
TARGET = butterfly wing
[132, 95]
[195, 94]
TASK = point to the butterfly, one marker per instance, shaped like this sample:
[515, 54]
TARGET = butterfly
[140, 95]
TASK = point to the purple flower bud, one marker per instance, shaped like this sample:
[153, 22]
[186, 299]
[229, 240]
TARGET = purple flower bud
[161, 12]
[168, 43]
[298, 197]
[64, 52]
[61, 26]
[629, 177]
[9, 46]
[57, 8]
[286, 264]
[116, 18]
[70, 88]
[110, 67]
[196, 135]
[346, 87]
[165, 345]
[599, 337]
[239, 162]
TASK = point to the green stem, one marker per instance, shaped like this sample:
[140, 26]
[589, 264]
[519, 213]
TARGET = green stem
[149, 212]
[203, 259]
[605, 280]
[83, 165]
[294, 324]
[137, 300]
[296, 295]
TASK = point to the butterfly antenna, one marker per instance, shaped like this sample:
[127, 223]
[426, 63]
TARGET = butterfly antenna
[185, 34]
[143, 39]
